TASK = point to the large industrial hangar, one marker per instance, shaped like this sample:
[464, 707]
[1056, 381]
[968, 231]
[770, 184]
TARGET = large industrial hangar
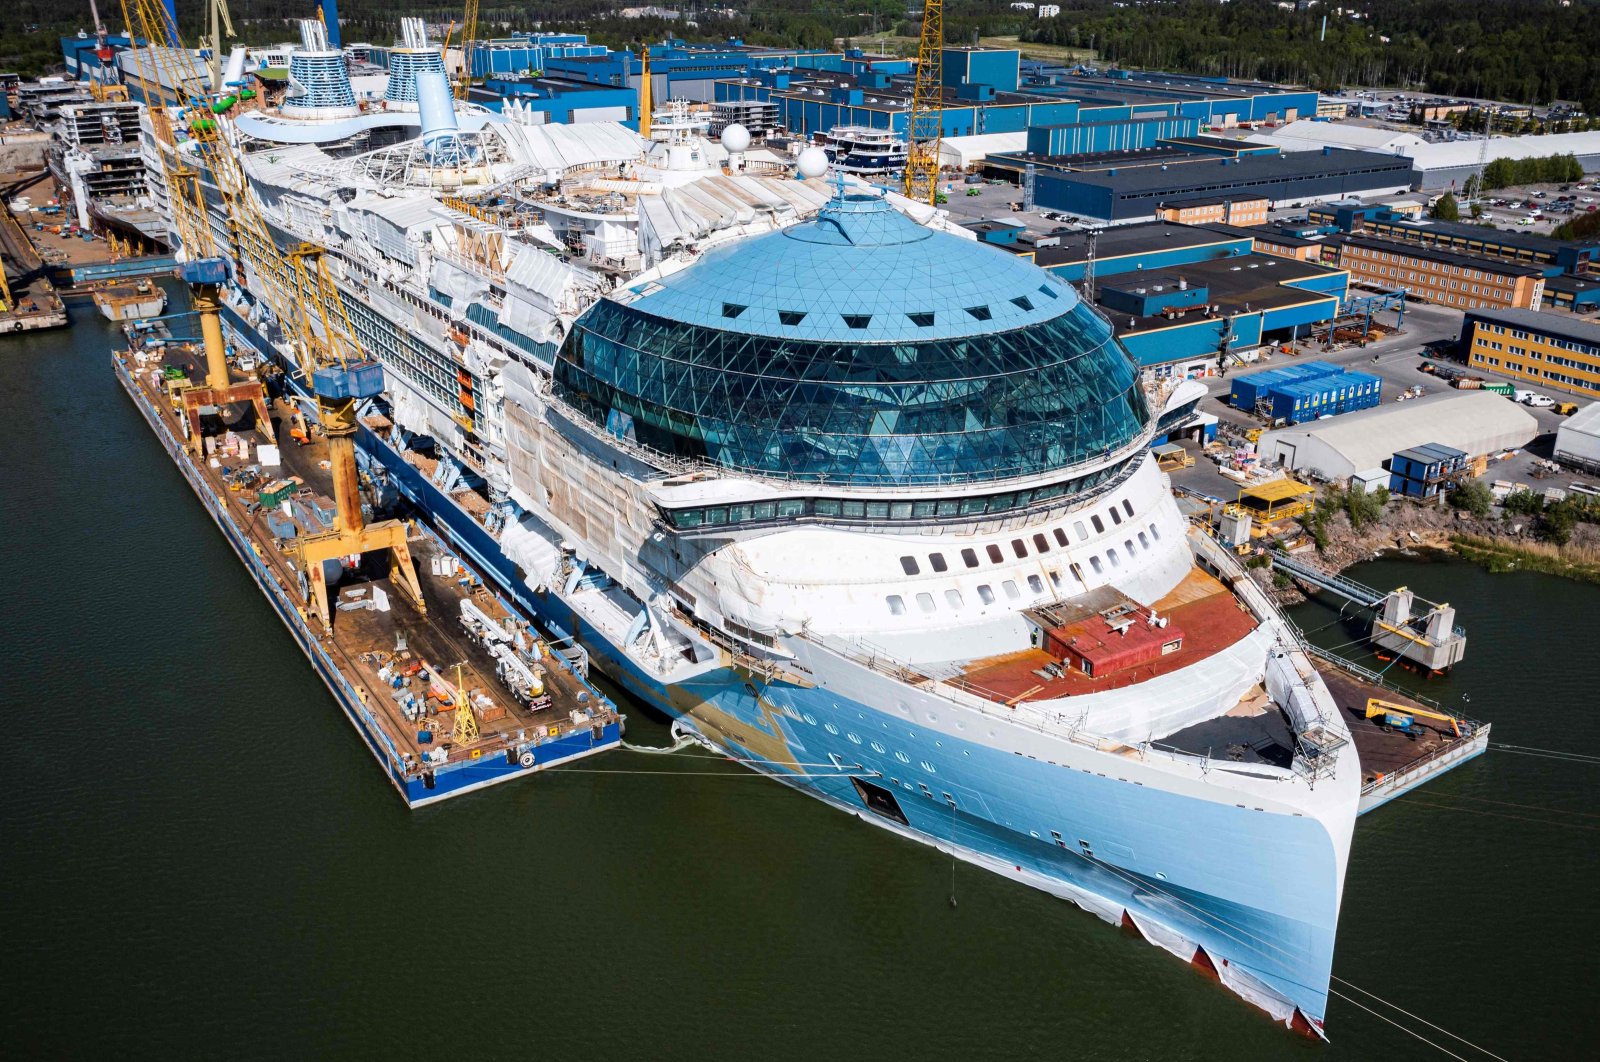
[1474, 422]
[1137, 193]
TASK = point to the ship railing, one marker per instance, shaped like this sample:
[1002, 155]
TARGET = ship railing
[1376, 678]
[1391, 779]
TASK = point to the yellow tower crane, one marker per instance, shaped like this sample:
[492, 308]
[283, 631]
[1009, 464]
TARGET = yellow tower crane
[469, 36]
[199, 138]
[646, 92]
[203, 269]
[925, 124]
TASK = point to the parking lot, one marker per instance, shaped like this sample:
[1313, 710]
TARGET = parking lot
[1396, 359]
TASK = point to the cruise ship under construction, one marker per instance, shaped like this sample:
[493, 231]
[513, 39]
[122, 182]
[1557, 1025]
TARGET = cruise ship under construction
[855, 499]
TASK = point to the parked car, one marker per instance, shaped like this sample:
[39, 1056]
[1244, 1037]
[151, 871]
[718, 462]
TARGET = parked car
[1539, 401]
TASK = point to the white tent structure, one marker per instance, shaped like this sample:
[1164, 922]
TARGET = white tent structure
[1475, 422]
[959, 152]
[1306, 135]
[1578, 438]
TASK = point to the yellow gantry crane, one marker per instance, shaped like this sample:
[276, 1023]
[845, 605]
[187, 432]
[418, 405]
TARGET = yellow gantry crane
[197, 140]
[925, 124]
[164, 73]
[469, 35]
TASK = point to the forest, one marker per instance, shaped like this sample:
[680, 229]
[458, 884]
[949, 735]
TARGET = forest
[1526, 51]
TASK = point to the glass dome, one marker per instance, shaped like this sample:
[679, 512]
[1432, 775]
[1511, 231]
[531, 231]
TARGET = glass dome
[857, 349]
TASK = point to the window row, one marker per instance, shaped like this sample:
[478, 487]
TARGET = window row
[927, 603]
[1019, 546]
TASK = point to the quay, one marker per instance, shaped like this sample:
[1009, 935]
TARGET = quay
[450, 696]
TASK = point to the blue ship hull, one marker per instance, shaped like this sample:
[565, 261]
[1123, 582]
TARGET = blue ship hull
[990, 807]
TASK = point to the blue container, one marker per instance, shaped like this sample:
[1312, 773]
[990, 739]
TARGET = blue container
[424, 737]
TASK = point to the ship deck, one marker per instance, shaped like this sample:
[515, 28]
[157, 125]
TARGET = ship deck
[371, 646]
[1387, 753]
[1211, 619]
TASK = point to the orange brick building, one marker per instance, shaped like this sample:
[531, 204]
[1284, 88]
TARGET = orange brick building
[1462, 281]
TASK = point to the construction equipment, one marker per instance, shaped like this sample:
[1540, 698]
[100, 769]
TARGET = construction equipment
[925, 125]
[469, 35]
[1403, 717]
[203, 269]
[304, 301]
[465, 731]
[646, 91]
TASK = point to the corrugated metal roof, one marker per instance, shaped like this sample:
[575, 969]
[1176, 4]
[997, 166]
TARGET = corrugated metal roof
[1475, 422]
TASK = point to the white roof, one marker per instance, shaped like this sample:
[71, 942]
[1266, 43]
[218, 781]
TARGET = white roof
[1361, 137]
[1465, 152]
[1579, 434]
[965, 150]
[564, 147]
[1476, 422]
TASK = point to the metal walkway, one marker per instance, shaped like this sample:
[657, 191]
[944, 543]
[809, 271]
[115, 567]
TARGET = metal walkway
[1349, 589]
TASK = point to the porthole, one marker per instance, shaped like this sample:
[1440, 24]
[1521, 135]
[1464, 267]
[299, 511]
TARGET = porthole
[876, 747]
[926, 766]
[853, 739]
[1010, 587]
[953, 598]
[1127, 507]
[1116, 517]
[995, 556]
[969, 557]
[902, 757]
[1094, 562]
[1099, 524]
[1144, 541]
[1081, 531]
[1154, 533]
[1036, 584]
[1111, 555]
[830, 728]
[897, 605]
[925, 602]
[936, 561]
[1040, 543]
[1061, 537]
[909, 565]
[986, 594]
[809, 719]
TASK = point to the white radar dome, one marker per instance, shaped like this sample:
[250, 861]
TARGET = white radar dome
[736, 138]
[813, 162]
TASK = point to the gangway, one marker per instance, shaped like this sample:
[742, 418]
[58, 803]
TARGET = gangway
[1430, 639]
[1322, 579]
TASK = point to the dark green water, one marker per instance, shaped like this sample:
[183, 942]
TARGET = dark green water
[202, 860]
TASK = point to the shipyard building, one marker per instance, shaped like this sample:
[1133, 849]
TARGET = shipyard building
[1549, 349]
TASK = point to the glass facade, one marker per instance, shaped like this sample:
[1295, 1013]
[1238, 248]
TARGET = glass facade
[942, 411]
[884, 511]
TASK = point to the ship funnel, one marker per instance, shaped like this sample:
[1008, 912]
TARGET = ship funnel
[442, 143]
[406, 62]
[438, 109]
[319, 84]
[234, 74]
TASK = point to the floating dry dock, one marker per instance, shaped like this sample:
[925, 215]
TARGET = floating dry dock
[457, 697]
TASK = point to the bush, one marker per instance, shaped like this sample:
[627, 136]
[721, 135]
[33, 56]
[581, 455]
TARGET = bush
[1364, 508]
[1472, 496]
[1557, 523]
[1523, 503]
[1446, 208]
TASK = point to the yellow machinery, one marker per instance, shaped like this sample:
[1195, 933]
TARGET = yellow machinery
[1170, 457]
[192, 136]
[1403, 717]
[1275, 501]
[202, 268]
[465, 730]
[469, 35]
[925, 126]
[646, 92]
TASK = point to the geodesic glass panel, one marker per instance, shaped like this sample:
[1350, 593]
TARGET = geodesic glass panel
[961, 409]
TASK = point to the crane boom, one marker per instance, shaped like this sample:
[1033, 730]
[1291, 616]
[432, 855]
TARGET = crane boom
[469, 35]
[296, 285]
[925, 124]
